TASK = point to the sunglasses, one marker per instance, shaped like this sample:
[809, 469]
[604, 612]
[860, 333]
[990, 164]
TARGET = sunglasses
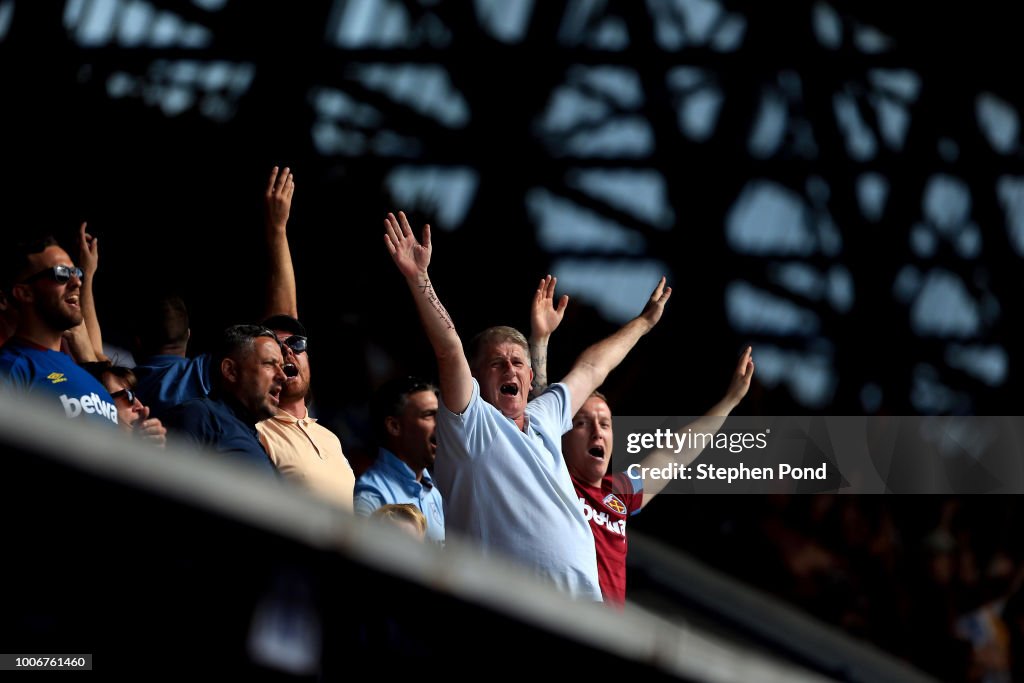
[297, 343]
[59, 274]
[127, 393]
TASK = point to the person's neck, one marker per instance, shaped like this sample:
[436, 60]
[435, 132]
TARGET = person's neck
[592, 483]
[172, 350]
[38, 333]
[415, 467]
[296, 408]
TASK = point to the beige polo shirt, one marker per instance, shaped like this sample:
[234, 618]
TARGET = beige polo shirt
[309, 455]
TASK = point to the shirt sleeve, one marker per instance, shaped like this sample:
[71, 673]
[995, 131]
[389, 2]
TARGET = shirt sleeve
[366, 500]
[13, 375]
[470, 433]
[630, 489]
[551, 409]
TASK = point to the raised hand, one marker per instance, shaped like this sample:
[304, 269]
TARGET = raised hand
[80, 344]
[411, 257]
[656, 305]
[278, 197]
[545, 317]
[741, 376]
[88, 251]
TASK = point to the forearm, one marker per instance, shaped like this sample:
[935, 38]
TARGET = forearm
[92, 322]
[437, 324]
[453, 369]
[539, 362]
[695, 436]
[80, 345]
[723, 408]
[605, 355]
[594, 364]
[281, 290]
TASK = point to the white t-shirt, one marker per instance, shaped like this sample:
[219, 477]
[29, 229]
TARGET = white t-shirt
[510, 490]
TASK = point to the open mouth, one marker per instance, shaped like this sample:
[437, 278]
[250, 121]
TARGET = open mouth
[510, 389]
[290, 371]
[275, 394]
[597, 452]
[72, 301]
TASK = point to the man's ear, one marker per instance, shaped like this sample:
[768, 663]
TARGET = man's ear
[392, 426]
[23, 294]
[229, 370]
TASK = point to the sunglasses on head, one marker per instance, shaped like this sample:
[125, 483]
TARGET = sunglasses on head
[127, 393]
[297, 343]
[59, 274]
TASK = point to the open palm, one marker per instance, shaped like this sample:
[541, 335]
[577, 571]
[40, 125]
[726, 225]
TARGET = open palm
[410, 256]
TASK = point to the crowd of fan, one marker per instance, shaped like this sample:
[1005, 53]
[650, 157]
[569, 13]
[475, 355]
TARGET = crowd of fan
[492, 452]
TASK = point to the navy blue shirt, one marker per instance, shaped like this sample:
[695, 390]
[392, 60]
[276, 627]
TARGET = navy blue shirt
[221, 425]
[166, 381]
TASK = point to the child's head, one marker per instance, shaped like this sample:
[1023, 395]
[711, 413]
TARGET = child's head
[405, 516]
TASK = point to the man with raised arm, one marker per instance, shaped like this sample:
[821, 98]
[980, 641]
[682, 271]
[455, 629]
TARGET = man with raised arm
[304, 451]
[166, 374]
[499, 462]
[44, 289]
[609, 500]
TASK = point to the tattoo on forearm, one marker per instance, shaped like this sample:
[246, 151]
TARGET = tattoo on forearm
[539, 359]
[428, 291]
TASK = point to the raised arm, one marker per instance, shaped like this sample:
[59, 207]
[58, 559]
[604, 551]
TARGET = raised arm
[412, 259]
[594, 364]
[710, 423]
[80, 345]
[545, 318]
[281, 290]
[89, 260]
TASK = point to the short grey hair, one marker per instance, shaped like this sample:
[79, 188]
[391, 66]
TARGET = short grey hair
[496, 335]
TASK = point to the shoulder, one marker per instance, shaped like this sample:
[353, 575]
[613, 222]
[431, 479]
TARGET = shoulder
[476, 406]
[315, 426]
[11, 357]
[368, 482]
[552, 404]
[193, 410]
[621, 484]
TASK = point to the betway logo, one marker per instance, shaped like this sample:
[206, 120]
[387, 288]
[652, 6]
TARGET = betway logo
[89, 404]
[603, 519]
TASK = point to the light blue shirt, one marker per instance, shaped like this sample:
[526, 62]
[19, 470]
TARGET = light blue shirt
[510, 490]
[389, 480]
